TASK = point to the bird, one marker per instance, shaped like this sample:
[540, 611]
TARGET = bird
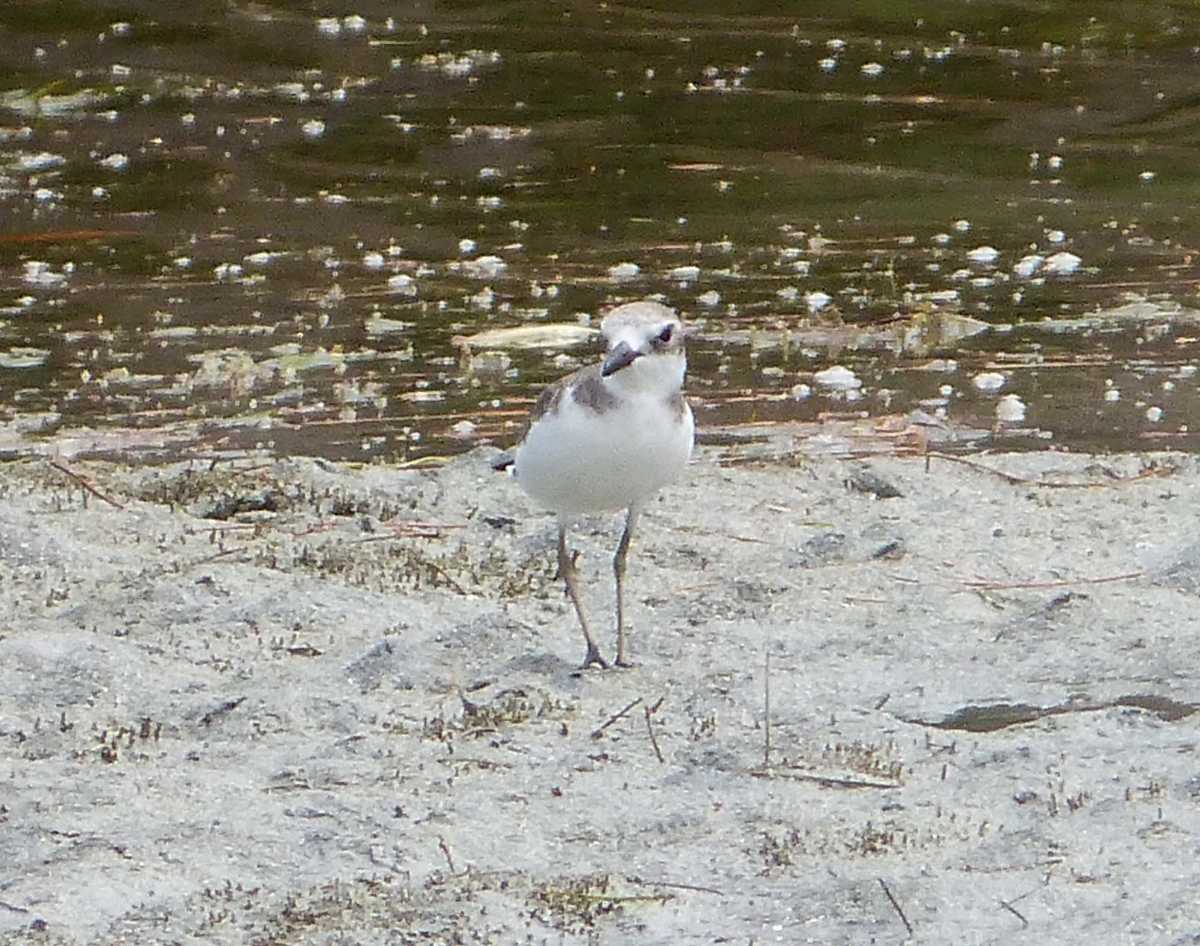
[608, 437]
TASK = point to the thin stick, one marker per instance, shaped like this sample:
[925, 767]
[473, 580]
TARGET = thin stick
[675, 886]
[826, 781]
[85, 484]
[445, 849]
[597, 733]
[403, 528]
[899, 912]
[767, 712]
[447, 578]
[419, 462]
[989, 585]
[1049, 484]
[179, 567]
[1013, 910]
[650, 728]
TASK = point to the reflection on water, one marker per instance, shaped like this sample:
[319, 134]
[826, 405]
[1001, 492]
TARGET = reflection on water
[245, 225]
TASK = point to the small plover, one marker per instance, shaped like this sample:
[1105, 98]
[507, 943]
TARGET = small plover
[608, 437]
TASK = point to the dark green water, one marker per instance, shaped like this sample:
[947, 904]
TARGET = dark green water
[225, 225]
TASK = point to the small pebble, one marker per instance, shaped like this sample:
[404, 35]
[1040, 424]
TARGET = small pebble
[837, 378]
[989, 381]
[1062, 264]
[817, 300]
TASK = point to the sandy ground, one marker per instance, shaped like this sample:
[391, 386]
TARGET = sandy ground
[288, 702]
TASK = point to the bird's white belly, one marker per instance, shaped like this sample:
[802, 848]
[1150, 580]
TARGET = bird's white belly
[578, 461]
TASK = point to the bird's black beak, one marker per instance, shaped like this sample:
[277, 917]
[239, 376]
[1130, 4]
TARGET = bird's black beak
[620, 357]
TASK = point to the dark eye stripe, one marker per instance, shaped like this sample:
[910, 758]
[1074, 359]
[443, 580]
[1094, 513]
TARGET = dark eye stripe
[665, 335]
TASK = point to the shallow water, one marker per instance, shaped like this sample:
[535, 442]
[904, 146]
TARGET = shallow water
[244, 225]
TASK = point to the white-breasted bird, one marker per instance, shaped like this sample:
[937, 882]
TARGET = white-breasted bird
[608, 437]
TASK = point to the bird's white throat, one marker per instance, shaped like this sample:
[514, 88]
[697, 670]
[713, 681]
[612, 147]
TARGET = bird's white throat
[655, 373]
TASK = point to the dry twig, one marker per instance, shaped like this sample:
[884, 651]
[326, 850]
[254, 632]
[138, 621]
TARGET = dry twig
[767, 712]
[85, 484]
[1013, 910]
[1148, 473]
[675, 886]
[597, 733]
[896, 906]
[826, 781]
[650, 711]
[986, 584]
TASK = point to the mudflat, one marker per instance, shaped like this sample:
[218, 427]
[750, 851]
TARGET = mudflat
[284, 701]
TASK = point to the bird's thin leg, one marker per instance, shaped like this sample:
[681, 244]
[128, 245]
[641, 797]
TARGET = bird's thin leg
[631, 518]
[566, 568]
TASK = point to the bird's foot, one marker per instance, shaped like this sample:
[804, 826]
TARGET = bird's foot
[593, 659]
[624, 663]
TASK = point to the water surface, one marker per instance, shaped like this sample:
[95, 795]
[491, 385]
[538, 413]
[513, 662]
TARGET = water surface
[237, 225]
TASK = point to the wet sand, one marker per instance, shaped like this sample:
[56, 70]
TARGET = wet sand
[288, 701]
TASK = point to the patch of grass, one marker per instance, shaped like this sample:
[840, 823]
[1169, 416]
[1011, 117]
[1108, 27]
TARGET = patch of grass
[576, 904]
[122, 741]
[509, 708]
[222, 486]
[874, 761]
[784, 849]
[386, 564]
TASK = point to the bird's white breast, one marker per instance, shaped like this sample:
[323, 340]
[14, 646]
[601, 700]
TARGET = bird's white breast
[577, 460]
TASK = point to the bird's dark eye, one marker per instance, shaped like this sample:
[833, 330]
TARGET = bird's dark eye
[665, 335]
